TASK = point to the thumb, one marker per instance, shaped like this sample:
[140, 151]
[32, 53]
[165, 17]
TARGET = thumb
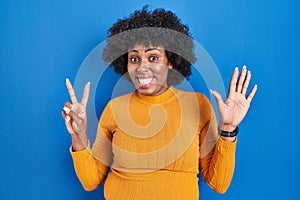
[218, 99]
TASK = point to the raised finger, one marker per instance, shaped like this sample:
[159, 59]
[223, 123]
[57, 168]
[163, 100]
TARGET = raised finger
[251, 94]
[71, 91]
[233, 81]
[241, 79]
[86, 92]
[246, 83]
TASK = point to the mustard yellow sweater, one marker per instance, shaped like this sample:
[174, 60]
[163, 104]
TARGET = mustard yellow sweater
[154, 146]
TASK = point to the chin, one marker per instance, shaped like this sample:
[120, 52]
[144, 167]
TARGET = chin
[146, 91]
[152, 90]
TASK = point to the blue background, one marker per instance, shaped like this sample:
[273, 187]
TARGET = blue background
[43, 42]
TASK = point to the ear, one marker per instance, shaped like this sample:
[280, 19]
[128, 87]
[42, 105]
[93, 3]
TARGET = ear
[170, 66]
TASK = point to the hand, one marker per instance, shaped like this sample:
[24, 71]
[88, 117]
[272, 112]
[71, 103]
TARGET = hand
[75, 115]
[235, 107]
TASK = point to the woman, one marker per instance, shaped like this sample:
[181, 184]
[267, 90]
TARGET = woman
[152, 142]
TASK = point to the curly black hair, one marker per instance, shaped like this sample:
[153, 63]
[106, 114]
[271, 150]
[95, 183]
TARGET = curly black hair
[157, 27]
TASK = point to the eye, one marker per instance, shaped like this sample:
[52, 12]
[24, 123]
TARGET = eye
[134, 59]
[153, 58]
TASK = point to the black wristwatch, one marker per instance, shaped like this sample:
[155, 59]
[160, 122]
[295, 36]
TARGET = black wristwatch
[228, 133]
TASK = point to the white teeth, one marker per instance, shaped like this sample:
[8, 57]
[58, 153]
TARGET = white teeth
[145, 81]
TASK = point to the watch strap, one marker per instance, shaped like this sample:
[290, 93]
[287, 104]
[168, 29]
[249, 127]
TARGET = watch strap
[228, 133]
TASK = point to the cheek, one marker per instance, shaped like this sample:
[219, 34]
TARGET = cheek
[161, 70]
[130, 69]
[131, 72]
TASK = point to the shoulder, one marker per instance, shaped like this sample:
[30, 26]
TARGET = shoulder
[118, 102]
[121, 99]
[201, 98]
[195, 100]
[114, 108]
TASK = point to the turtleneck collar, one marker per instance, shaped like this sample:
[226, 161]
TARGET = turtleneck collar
[165, 96]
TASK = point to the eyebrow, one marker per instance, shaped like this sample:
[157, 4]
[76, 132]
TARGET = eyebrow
[150, 49]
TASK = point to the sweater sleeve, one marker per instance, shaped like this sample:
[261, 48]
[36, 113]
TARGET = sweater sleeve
[90, 172]
[91, 165]
[217, 157]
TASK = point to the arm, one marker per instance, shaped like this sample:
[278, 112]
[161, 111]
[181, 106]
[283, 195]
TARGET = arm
[90, 172]
[217, 166]
[91, 168]
[91, 165]
[217, 157]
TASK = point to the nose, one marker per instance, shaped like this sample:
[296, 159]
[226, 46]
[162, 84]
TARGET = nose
[144, 67]
[144, 61]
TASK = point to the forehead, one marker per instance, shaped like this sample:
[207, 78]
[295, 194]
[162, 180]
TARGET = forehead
[142, 48]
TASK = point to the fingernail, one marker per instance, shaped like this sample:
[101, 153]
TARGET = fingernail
[67, 110]
[67, 80]
[249, 72]
[244, 66]
[67, 118]
[89, 83]
[211, 91]
[236, 68]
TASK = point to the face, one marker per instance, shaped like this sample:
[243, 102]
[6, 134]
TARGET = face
[148, 69]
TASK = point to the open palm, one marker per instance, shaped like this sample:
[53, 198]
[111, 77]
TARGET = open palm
[235, 107]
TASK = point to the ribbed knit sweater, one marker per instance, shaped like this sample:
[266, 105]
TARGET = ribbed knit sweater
[155, 146]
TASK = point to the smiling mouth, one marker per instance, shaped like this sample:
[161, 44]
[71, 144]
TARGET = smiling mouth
[144, 81]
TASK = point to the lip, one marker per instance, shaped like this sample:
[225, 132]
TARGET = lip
[144, 82]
